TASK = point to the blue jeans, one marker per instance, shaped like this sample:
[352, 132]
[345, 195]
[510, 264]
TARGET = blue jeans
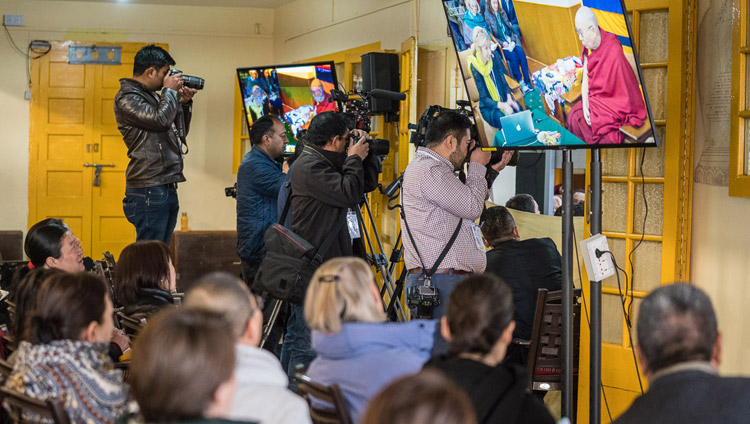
[152, 210]
[296, 348]
[444, 284]
[516, 59]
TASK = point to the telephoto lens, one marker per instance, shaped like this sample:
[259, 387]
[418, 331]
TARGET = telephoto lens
[189, 80]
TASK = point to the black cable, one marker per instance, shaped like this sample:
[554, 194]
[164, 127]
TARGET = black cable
[643, 234]
[13, 43]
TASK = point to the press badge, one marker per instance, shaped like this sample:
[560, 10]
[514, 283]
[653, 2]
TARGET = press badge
[478, 237]
[353, 224]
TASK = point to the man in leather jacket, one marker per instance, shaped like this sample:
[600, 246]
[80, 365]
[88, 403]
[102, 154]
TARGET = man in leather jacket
[149, 125]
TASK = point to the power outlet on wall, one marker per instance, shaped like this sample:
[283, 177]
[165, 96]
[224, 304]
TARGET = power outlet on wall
[601, 267]
[13, 20]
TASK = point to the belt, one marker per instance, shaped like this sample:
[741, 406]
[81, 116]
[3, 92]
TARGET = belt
[418, 270]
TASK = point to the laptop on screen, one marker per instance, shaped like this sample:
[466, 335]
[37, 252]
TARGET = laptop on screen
[518, 128]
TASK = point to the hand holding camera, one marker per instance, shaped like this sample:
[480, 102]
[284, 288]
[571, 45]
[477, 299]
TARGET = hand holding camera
[173, 81]
[361, 147]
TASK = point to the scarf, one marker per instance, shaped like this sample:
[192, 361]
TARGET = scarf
[471, 20]
[485, 69]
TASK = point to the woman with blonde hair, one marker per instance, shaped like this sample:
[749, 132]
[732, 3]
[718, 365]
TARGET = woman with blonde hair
[356, 348]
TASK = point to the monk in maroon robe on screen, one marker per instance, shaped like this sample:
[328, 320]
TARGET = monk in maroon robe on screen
[610, 93]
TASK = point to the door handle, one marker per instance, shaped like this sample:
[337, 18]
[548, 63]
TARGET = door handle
[98, 171]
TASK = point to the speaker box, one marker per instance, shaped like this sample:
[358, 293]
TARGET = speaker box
[380, 70]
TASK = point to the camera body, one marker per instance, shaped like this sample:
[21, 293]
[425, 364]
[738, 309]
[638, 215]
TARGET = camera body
[424, 298]
[189, 81]
[378, 146]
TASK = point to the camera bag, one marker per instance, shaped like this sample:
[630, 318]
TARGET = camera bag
[290, 260]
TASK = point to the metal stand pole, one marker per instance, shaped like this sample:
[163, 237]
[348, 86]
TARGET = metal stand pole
[595, 295]
[567, 285]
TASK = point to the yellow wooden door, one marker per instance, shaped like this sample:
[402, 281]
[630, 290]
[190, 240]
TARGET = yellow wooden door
[73, 124]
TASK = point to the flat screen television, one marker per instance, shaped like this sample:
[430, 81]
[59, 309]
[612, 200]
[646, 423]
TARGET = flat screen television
[551, 74]
[295, 93]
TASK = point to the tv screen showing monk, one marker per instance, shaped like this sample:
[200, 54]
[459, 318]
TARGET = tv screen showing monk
[551, 73]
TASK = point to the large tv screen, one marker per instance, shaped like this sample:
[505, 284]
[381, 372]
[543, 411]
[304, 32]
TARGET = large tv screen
[546, 74]
[295, 93]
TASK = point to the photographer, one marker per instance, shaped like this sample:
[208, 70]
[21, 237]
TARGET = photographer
[149, 125]
[439, 210]
[327, 181]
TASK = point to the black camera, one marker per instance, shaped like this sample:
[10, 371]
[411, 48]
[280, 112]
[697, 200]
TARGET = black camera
[231, 191]
[189, 81]
[378, 146]
[424, 298]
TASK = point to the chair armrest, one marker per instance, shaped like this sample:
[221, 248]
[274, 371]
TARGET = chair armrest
[512, 84]
[573, 95]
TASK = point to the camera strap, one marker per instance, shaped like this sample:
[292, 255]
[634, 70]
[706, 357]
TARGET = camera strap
[442, 254]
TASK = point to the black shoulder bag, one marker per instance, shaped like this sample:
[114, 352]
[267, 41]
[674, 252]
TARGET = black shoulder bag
[290, 260]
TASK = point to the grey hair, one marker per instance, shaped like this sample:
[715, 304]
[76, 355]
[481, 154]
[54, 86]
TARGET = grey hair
[585, 13]
[224, 294]
[676, 323]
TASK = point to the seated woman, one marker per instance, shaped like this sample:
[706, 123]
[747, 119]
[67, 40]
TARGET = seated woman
[356, 349]
[182, 370]
[495, 98]
[479, 326]
[145, 279]
[50, 244]
[499, 27]
[472, 19]
[66, 355]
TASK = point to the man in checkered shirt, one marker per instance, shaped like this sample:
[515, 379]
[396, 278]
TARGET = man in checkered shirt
[434, 201]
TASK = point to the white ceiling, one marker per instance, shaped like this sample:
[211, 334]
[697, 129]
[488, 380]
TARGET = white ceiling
[268, 4]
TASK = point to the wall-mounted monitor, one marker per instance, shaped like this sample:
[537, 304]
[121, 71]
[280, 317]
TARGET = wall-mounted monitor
[546, 74]
[295, 93]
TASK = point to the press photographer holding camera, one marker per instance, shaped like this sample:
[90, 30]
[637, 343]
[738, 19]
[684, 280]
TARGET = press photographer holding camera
[154, 127]
[442, 242]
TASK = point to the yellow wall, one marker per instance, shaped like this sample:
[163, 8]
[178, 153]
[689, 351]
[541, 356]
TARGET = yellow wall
[207, 42]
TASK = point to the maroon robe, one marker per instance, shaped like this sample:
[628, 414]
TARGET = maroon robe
[615, 98]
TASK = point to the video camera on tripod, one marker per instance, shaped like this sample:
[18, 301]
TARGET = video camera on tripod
[360, 109]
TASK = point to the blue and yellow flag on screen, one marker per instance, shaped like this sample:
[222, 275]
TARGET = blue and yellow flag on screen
[611, 18]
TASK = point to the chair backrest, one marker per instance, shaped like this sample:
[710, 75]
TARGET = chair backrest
[338, 413]
[131, 326]
[19, 406]
[545, 359]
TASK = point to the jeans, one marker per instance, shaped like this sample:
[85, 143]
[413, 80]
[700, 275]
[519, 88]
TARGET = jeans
[516, 59]
[444, 284]
[152, 210]
[296, 348]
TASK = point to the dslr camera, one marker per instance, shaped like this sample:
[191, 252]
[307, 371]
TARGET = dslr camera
[189, 80]
[424, 298]
[378, 146]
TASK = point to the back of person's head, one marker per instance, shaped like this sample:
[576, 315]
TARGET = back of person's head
[151, 56]
[676, 323]
[522, 202]
[480, 308]
[224, 294]
[44, 240]
[498, 225]
[24, 296]
[341, 290]
[142, 265]
[66, 305]
[324, 126]
[447, 122]
[262, 126]
[424, 398]
[182, 366]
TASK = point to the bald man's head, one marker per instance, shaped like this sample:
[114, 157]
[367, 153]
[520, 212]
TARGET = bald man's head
[587, 27]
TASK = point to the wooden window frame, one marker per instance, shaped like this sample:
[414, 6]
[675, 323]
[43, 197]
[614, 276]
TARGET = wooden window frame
[739, 180]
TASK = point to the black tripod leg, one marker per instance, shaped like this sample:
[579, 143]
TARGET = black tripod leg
[391, 311]
[271, 322]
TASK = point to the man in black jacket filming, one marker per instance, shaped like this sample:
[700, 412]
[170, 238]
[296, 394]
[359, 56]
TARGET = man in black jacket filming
[153, 127]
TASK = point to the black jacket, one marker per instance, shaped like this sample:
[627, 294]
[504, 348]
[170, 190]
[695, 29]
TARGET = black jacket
[148, 302]
[323, 184]
[145, 120]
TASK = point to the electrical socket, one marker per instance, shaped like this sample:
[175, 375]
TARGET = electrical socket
[601, 267]
[13, 20]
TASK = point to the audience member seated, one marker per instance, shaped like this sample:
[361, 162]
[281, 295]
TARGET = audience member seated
[500, 28]
[610, 92]
[679, 350]
[479, 326]
[523, 202]
[66, 355]
[495, 97]
[510, 10]
[50, 244]
[579, 209]
[579, 196]
[424, 398]
[262, 395]
[145, 279]
[472, 19]
[356, 349]
[525, 265]
[182, 367]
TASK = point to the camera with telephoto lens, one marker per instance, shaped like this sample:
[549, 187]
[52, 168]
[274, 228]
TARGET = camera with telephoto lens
[378, 146]
[189, 80]
[424, 298]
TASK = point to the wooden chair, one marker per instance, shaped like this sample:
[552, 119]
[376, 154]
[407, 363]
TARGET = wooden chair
[544, 362]
[338, 414]
[131, 326]
[9, 344]
[18, 405]
[5, 370]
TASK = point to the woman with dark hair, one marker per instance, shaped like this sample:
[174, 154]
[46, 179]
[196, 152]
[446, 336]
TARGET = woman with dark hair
[182, 368]
[66, 355]
[479, 326]
[50, 244]
[24, 295]
[145, 279]
[500, 27]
